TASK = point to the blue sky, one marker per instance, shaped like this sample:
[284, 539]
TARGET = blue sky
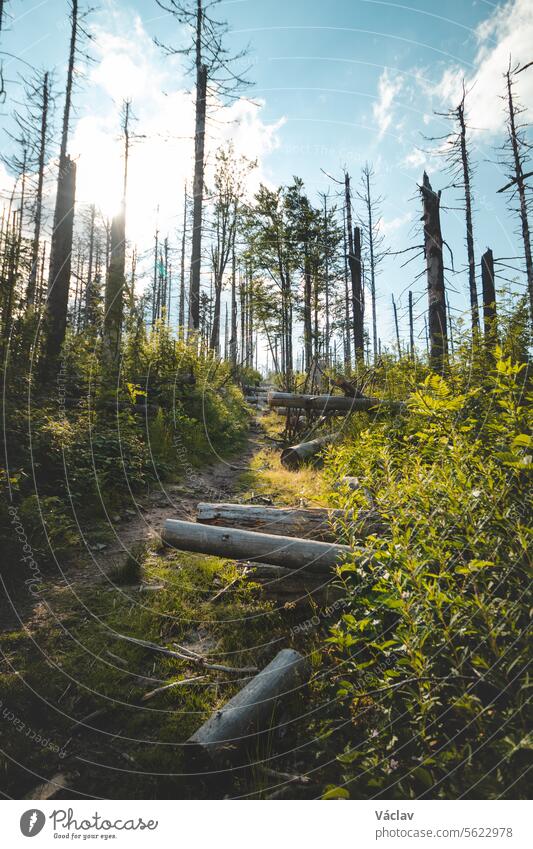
[337, 84]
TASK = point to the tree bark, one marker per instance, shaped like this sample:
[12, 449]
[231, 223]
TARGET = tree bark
[474, 307]
[246, 721]
[295, 455]
[60, 263]
[181, 319]
[331, 402]
[520, 183]
[232, 543]
[311, 523]
[32, 282]
[489, 299]
[61, 242]
[198, 193]
[438, 337]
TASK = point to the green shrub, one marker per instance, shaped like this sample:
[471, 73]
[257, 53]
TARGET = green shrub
[433, 645]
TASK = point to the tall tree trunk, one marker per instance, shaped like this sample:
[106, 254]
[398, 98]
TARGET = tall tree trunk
[438, 337]
[489, 299]
[116, 279]
[347, 334]
[397, 328]
[474, 307]
[354, 264]
[233, 341]
[181, 319]
[60, 263]
[357, 295]
[32, 282]
[411, 327]
[90, 292]
[214, 342]
[326, 278]
[372, 264]
[308, 335]
[198, 185]
[61, 242]
[520, 183]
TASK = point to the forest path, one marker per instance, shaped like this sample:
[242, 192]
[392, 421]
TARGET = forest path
[140, 522]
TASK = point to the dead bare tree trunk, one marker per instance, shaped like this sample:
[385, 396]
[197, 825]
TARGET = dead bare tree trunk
[354, 262]
[438, 337]
[233, 340]
[474, 307]
[411, 327]
[198, 184]
[115, 281]
[489, 298]
[32, 282]
[397, 328]
[181, 319]
[60, 263]
[518, 182]
[61, 242]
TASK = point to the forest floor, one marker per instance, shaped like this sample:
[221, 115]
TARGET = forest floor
[78, 705]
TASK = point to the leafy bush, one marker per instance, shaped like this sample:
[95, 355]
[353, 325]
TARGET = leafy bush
[433, 646]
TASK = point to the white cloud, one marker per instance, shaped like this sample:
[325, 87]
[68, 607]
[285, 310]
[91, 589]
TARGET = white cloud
[508, 32]
[161, 158]
[391, 226]
[388, 88]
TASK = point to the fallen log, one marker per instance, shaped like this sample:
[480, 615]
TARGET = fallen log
[235, 544]
[293, 456]
[310, 523]
[336, 403]
[247, 719]
[318, 523]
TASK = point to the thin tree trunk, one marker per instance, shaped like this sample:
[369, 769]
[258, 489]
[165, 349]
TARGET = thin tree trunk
[489, 299]
[181, 319]
[357, 295]
[372, 265]
[61, 242]
[60, 262]
[198, 185]
[397, 328]
[32, 282]
[308, 337]
[520, 183]
[438, 338]
[411, 327]
[116, 280]
[474, 307]
[233, 341]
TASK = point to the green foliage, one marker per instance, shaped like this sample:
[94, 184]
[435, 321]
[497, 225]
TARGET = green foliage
[433, 644]
[84, 448]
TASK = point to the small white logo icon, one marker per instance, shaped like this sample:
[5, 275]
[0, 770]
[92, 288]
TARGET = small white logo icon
[32, 822]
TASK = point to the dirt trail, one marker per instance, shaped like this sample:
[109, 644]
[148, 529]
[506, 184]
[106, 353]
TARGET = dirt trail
[141, 520]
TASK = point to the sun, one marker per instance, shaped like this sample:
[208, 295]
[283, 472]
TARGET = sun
[98, 168]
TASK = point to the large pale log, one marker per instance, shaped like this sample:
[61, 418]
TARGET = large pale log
[236, 544]
[332, 403]
[293, 456]
[310, 523]
[247, 720]
[319, 523]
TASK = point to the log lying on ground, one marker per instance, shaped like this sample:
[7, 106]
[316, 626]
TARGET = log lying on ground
[293, 456]
[247, 719]
[258, 548]
[294, 585]
[335, 403]
[316, 523]
[310, 523]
